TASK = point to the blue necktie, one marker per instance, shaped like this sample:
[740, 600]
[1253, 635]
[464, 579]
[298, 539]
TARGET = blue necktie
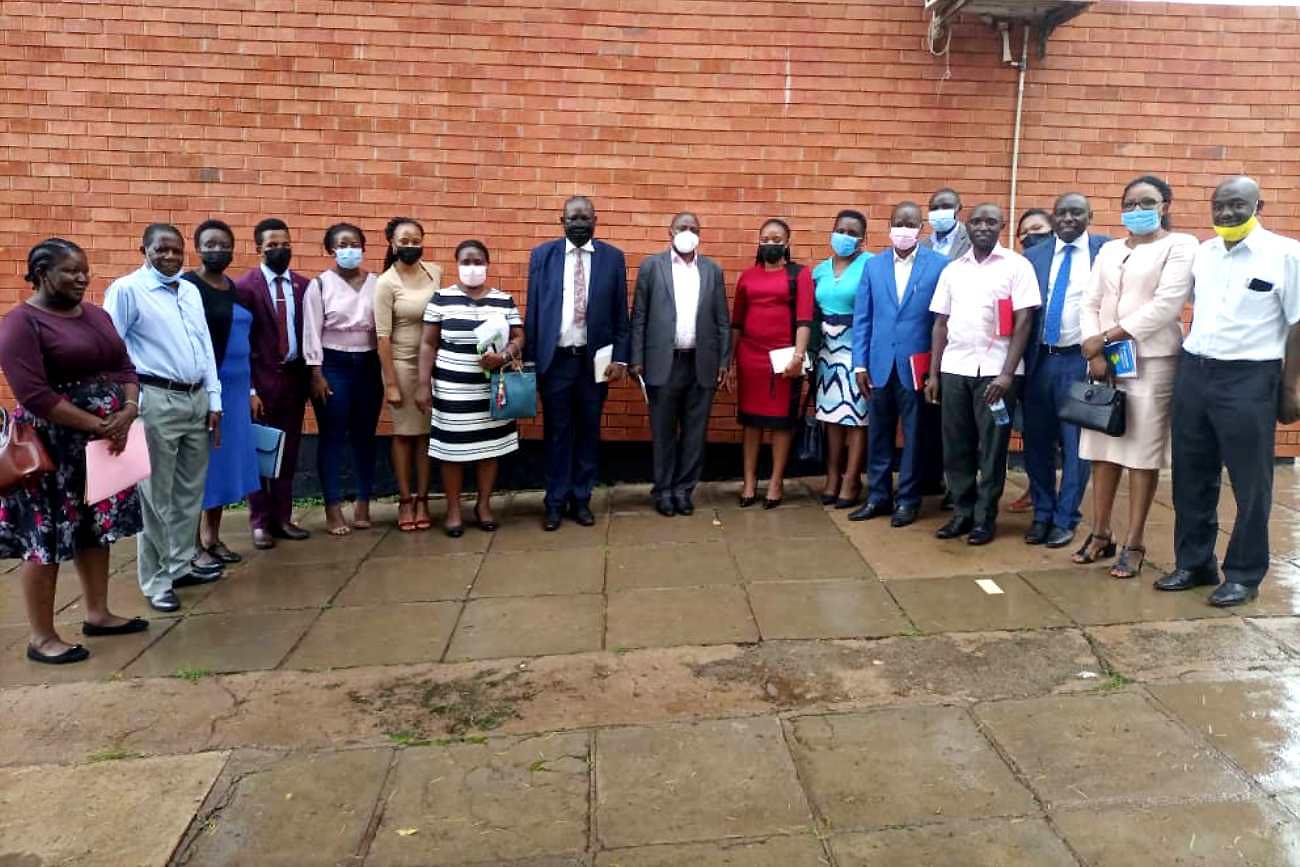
[1056, 305]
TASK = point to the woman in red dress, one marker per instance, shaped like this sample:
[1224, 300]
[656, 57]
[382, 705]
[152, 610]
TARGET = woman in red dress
[773, 310]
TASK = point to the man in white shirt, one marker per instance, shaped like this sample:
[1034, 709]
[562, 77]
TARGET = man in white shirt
[681, 345]
[978, 362]
[1237, 379]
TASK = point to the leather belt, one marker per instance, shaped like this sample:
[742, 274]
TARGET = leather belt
[575, 351]
[1072, 349]
[169, 384]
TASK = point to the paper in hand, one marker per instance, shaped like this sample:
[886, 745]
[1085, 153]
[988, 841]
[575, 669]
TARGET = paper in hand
[492, 334]
[108, 474]
[603, 359]
[782, 357]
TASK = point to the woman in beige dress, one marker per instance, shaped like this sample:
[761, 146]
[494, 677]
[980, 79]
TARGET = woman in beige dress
[1138, 289]
[401, 294]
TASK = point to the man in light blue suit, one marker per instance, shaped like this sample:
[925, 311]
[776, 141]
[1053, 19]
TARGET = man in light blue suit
[892, 323]
[1052, 364]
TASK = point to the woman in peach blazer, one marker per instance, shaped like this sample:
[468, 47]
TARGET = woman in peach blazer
[1138, 289]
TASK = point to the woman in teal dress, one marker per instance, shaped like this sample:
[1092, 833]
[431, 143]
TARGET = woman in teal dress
[841, 407]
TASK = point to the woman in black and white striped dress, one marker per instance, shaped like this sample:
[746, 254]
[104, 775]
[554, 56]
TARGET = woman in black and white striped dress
[454, 381]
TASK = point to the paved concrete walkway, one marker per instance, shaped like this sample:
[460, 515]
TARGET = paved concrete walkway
[773, 689]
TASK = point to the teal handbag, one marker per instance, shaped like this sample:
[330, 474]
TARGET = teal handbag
[514, 392]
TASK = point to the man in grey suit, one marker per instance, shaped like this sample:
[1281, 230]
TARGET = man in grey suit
[948, 234]
[681, 346]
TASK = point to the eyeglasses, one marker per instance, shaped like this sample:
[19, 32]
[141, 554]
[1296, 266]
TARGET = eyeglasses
[1144, 204]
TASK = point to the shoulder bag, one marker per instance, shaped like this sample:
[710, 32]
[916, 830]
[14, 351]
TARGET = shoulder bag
[22, 456]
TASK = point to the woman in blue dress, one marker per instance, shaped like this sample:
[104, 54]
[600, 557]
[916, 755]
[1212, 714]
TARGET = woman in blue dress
[232, 466]
[841, 407]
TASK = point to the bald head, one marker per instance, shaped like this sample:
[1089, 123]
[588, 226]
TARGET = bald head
[1235, 201]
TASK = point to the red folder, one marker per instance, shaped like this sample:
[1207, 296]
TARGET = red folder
[1006, 317]
[920, 369]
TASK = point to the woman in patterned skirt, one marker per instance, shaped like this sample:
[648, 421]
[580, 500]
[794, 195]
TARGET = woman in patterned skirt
[840, 405]
[454, 381]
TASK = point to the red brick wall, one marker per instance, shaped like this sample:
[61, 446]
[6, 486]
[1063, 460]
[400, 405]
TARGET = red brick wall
[479, 118]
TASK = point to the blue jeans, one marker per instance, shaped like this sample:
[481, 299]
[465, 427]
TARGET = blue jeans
[1046, 435]
[350, 416]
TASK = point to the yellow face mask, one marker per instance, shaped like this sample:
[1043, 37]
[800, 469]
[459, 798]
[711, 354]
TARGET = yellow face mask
[1233, 234]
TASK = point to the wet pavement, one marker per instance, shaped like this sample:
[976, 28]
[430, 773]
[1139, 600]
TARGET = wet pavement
[740, 687]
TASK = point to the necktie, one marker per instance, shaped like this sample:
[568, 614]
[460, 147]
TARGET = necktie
[281, 320]
[579, 288]
[1056, 304]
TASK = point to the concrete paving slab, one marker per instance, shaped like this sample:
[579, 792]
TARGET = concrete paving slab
[1285, 630]
[627, 499]
[381, 635]
[542, 573]
[679, 615]
[429, 543]
[778, 559]
[1256, 723]
[309, 808]
[800, 851]
[1091, 597]
[825, 609]
[1097, 750]
[1284, 534]
[688, 565]
[12, 609]
[790, 521]
[507, 799]
[532, 503]
[135, 809]
[1291, 802]
[525, 533]
[108, 654]
[994, 843]
[310, 586]
[725, 495]
[435, 578]
[234, 641]
[1246, 832]
[320, 548]
[518, 626]
[901, 766]
[1279, 594]
[963, 604]
[696, 781]
[1151, 651]
[653, 529]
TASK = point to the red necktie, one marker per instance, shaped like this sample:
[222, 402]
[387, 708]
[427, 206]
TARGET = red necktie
[281, 320]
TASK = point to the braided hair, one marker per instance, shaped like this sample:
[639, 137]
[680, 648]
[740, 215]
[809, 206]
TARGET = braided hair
[45, 255]
[390, 230]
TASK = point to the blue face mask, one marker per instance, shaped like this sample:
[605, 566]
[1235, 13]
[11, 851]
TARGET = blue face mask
[842, 244]
[348, 257]
[1141, 222]
[160, 276]
[943, 220]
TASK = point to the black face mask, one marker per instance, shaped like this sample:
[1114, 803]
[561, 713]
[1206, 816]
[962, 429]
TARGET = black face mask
[409, 255]
[217, 261]
[277, 259]
[772, 253]
[579, 234]
[1034, 239]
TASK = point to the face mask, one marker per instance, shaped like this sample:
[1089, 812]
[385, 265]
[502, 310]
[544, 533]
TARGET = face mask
[579, 234]
[349, 257]
[903, 237]
[1233, 234]
[772, 253]
[1034, 238]
[842, 244]
[216, 261]
[409, 255]
[160, 276]
[685, 242]
[943, 220]
[473, 276]
[277, 259]
[1141, 222]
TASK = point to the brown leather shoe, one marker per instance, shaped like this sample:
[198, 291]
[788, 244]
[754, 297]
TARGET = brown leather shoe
[262, 540]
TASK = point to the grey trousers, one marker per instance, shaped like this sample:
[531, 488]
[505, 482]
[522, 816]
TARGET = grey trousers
[176, 427]
[679, 427]
[974, 446]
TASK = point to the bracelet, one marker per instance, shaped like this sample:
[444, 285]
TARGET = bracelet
[131, 403]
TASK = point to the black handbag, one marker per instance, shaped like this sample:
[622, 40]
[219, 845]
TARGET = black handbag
[811, 444]
[1095, 406]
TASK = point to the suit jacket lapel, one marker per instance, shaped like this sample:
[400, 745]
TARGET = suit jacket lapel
[891, 281]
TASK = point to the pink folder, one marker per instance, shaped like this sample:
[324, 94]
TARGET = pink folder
[107, 474]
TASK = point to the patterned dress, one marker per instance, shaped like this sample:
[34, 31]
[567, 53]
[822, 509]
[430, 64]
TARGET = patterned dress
[838, 399]
[463, 428]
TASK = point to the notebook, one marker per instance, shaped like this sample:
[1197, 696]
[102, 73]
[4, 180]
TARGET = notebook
[1006, 317]
[781, 359]
[920, 364]
[108, 474]
[1122, 355]
[601, 361]
[269, 442]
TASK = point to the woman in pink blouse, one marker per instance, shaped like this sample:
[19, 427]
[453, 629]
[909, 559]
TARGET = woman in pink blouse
[347, 388]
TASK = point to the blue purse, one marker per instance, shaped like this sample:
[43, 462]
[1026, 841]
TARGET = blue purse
[514, 392]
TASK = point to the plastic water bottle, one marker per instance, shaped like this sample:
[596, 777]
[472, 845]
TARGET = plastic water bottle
[1000, 414]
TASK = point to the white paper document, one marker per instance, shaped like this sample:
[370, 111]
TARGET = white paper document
[492, 334]
[603, 359]
[989, 586]
[781, 359]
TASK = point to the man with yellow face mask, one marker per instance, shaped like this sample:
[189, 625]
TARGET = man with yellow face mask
[1238, 377]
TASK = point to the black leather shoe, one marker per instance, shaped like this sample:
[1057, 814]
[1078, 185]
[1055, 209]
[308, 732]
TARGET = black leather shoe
[166, 601]
[1059, 537]
[829, 499]
[903, 516]
[665, 507]
[132, 626]
[981, 534]
[552, 520]
[1037, 533]
[1186, 579]
[871, 510]
[1229, 594]
[195, 579]
[684, 506]
[582, 514]
[958, 526]
[291, 531]
[946, 504]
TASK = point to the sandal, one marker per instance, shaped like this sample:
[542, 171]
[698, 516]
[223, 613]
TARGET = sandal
[426, 522]
[1086, 555]
[405, 525]
[1124, 567]
[224, 554]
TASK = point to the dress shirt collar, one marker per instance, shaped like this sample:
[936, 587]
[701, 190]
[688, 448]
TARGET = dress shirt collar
[588, 247]
[271, 275]
[678, 260]
[903, 260]
[1257, 235]
[998, 252]
[149, 277]
[1080, 244]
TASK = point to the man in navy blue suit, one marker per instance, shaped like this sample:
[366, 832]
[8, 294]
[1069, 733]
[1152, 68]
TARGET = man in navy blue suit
[1052, 364]
[892, 323]
[577, 306]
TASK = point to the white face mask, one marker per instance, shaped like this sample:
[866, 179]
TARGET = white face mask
[473, 276]
[685, 242]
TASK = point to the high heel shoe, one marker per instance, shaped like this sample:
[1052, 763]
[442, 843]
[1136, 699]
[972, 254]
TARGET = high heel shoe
[1124, 567]
[829, 499]
[1085, 555]
[746, 502]
[426, 522]
[772, 504]
[454, 532]
[485, 526]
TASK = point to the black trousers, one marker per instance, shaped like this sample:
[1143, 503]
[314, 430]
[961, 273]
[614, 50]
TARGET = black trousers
[929, 448]
[679, 426]
[1224, 414]
[974, 446]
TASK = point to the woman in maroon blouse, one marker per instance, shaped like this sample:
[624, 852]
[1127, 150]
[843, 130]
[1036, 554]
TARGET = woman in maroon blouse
[74, 381]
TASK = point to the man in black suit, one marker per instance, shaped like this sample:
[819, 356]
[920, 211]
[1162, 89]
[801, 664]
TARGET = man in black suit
[681, 344]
